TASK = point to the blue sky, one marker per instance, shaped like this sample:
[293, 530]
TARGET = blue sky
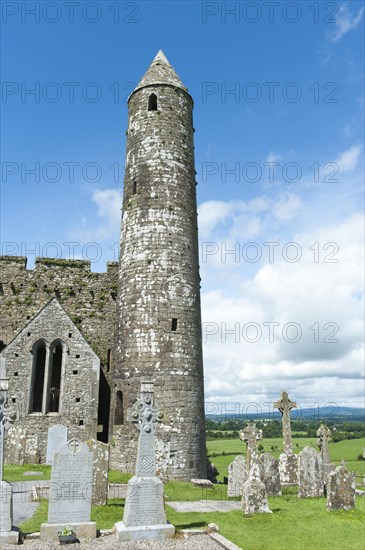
[278, 92]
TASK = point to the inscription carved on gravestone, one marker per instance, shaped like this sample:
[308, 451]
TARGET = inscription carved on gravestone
[340, 490]
[144, 514]
[57, 436]
[237, 475]
[310, 473]
[70, 492]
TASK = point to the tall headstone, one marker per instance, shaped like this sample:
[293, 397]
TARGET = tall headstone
[250, 434]
[324, 436]
[70, 492]
[288, 461]
[269, 470]
[7, 418]
[340, 490]
[237, 475]
[254, 495]
[100, 471]
[285, 405]
[144, 513]
[57, 436]
[310, 473]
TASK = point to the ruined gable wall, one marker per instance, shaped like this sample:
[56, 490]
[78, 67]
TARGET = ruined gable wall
[88, 298]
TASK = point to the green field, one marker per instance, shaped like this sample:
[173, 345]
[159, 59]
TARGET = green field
[223, 451]
[298, 524]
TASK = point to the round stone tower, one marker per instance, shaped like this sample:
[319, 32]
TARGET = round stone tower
[159, 331]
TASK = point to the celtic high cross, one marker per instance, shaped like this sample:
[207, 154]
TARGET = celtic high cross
[285, 405]
[145, 416]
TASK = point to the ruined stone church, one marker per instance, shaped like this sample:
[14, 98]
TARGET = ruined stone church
[76, 345]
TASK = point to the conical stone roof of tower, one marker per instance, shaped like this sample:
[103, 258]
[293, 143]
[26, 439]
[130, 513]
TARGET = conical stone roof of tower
[160, 72]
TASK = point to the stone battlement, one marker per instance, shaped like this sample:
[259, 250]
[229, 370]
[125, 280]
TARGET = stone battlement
[52, 263]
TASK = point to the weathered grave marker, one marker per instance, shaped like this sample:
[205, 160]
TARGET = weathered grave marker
[144, 514]
[310, 473]
[340, 490]
[70, 492]
[237, 475]
[100, 471]
[288, 461]
[269, 473]
[57, 436]
[250, 434]
[324, 436]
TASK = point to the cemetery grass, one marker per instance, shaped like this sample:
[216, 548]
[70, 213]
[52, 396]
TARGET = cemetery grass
[15, 472]
[301, 524]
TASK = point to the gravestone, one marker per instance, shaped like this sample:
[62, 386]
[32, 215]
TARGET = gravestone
[250, 434]
[340, 490]
[31, 453]
[15, 445]
[288, 469]
[288, 461]
[310, 473]
[100, 471]
[7, 417]
[324, 436]
[70, 492]
[144, 514]
[285, 405]
[254, 497]
[237, 475]
[269, 473]
[57, 436]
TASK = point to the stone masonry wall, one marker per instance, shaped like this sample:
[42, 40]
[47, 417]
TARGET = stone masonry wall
[88, 298]
[159, 282]
[78, 409]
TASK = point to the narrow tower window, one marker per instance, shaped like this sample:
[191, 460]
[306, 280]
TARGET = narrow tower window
[118, 411]
[134, 187]
[152, 102]
[38, 378]
[174, 324]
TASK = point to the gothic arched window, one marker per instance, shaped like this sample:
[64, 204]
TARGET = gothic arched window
[152, 102]
[55, 370]
[46, 380]
[38, 375]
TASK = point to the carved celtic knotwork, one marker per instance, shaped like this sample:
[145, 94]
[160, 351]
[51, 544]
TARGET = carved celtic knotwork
[144, 414]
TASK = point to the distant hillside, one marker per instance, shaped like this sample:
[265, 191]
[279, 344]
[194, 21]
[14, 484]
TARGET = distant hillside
[333, 413]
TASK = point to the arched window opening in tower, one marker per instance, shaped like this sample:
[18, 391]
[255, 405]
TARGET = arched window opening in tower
[55, 378]
[39, 368]
[152, 102]
[118, 411]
